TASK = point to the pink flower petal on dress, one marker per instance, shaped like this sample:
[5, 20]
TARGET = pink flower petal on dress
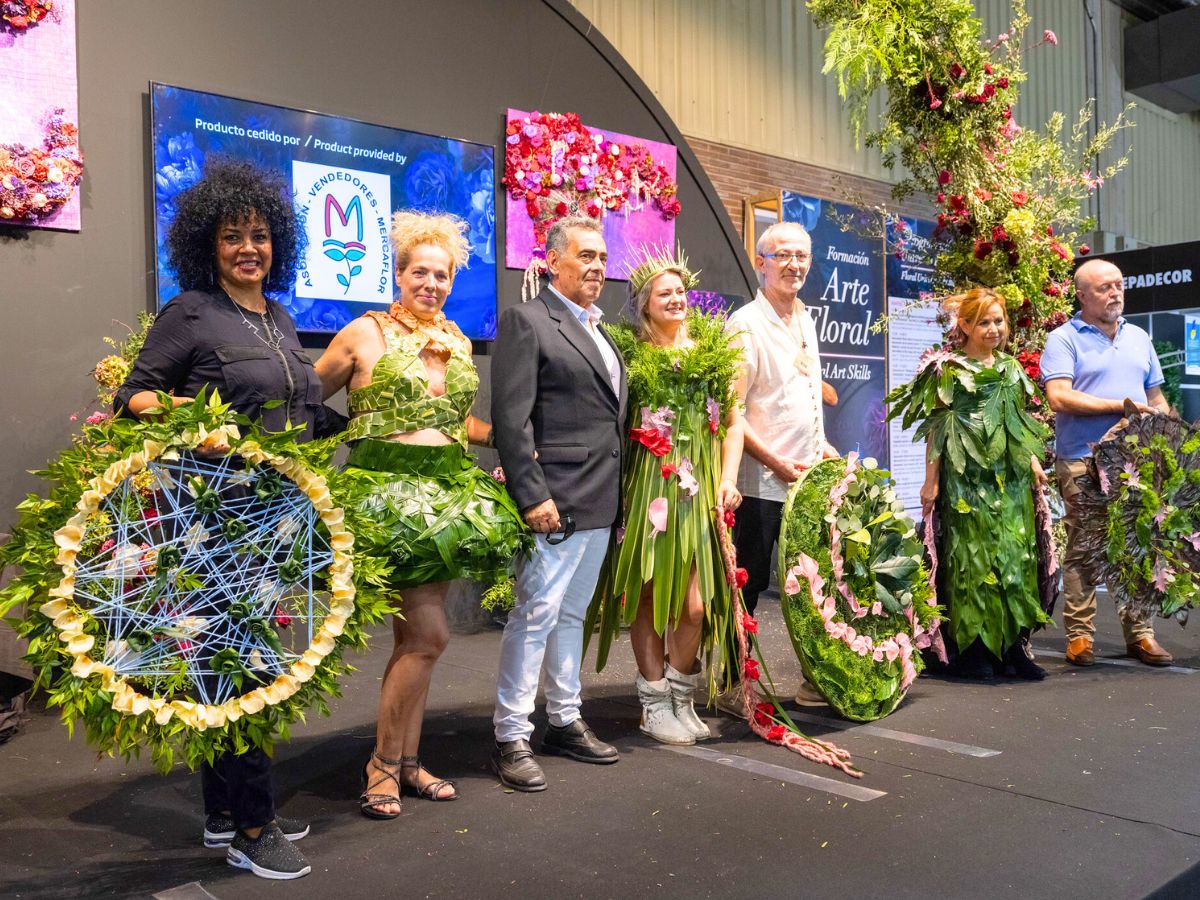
[792, 584]
[687, 481]
[658, 515]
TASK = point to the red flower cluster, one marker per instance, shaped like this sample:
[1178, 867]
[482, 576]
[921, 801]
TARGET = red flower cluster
[1031, 361]
[749, 623]
[652, 440]
[751, 672]
[35, 183]
[776, 733]
[21, 14]
[741, 576]
[553, 161]
[668, 469]
[764, 714]
[730, 519]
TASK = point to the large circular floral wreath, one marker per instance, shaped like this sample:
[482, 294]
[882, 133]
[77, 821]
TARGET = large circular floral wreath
[200, 591]
[856, 595]
[1139, 514]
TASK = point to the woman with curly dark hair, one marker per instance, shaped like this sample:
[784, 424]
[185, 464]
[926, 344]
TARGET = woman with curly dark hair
[233, 237]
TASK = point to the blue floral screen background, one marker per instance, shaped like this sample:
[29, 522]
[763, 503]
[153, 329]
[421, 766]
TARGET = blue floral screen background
[425, 173]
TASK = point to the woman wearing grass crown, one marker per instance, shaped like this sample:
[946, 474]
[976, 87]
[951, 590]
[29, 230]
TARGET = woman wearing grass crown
[435, 514]
[983, 483]
[664, 575]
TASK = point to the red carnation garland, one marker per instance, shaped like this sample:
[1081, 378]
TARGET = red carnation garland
[765, 714]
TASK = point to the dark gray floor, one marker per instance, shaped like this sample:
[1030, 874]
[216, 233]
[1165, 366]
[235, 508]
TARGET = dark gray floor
[1094, 792]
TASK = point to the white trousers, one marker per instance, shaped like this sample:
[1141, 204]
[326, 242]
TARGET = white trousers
[545, 632]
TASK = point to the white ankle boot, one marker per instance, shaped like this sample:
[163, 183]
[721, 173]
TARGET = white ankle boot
[658, 715]
[683, 689]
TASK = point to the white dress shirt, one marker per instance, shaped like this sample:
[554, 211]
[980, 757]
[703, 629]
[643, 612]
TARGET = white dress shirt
[783, 395]
[589, 318]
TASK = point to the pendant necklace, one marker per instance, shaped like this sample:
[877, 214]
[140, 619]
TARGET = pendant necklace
[270, 334]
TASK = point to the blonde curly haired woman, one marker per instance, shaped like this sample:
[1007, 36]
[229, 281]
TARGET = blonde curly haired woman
[434, 515]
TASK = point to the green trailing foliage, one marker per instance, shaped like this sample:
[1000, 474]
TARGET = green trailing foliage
[1010, 200]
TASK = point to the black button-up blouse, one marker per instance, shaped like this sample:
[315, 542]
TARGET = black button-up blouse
[202, 340]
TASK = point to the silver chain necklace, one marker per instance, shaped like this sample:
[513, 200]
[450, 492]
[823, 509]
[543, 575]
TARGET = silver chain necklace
[273, 337]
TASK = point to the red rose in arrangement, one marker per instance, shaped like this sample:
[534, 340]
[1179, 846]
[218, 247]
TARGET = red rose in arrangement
[748, 621]
[741, 576]
[652, 440]
[751, 672]
[669, 469]
[730, 519]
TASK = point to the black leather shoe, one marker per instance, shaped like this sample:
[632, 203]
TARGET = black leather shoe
[578, 742]
[513, 761]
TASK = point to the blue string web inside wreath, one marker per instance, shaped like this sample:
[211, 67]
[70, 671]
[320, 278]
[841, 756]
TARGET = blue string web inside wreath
[164, 625]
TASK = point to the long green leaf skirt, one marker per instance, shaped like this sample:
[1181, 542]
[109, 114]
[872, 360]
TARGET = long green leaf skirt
[434, 513]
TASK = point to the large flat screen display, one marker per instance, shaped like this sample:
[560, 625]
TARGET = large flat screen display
[347, 179]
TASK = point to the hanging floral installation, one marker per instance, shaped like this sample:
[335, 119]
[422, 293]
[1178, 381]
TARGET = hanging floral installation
[555, 166]
[35, 182]
[1009, 199]
[188, 584]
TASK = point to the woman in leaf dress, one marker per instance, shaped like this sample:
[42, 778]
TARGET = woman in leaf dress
[983, 474]
[664, 575]
[434, 515]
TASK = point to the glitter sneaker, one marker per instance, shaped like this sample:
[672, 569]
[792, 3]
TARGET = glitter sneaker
[270, 855]
[219, 829]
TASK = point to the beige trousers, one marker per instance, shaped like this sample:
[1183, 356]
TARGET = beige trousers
[1079, 595]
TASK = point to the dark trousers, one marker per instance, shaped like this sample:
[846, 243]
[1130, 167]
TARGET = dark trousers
[754, 538]
[242, 785]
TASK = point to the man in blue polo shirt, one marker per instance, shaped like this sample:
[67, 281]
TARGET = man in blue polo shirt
[1090, 366]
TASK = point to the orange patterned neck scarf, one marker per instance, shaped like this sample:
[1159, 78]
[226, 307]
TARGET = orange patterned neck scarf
[440, 333]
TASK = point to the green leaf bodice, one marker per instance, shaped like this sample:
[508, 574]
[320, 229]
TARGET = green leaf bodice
[975, 420]
[397, 399]
[972, 415]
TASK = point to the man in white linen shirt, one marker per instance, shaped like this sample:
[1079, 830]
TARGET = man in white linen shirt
[780, 387]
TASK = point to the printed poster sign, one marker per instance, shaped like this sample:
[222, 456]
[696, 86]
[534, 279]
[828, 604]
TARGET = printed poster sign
[845, 292]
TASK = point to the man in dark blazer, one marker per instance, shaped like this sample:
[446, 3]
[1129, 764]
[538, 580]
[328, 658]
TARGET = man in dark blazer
[558, 414]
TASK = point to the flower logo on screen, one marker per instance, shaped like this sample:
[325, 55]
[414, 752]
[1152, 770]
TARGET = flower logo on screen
[349, 252]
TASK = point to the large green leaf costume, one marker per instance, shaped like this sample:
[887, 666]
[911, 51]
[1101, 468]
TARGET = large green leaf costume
[976, 421]
[682, 395]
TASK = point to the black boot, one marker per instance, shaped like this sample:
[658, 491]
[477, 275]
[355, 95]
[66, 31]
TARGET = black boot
[1019, 657]
[975, 663]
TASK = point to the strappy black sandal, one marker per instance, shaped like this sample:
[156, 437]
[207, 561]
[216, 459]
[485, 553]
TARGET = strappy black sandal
[431, 791]
[368, 800]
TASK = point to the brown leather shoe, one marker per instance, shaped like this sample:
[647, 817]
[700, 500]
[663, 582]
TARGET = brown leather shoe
[1147, 650]
[1079, 652]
